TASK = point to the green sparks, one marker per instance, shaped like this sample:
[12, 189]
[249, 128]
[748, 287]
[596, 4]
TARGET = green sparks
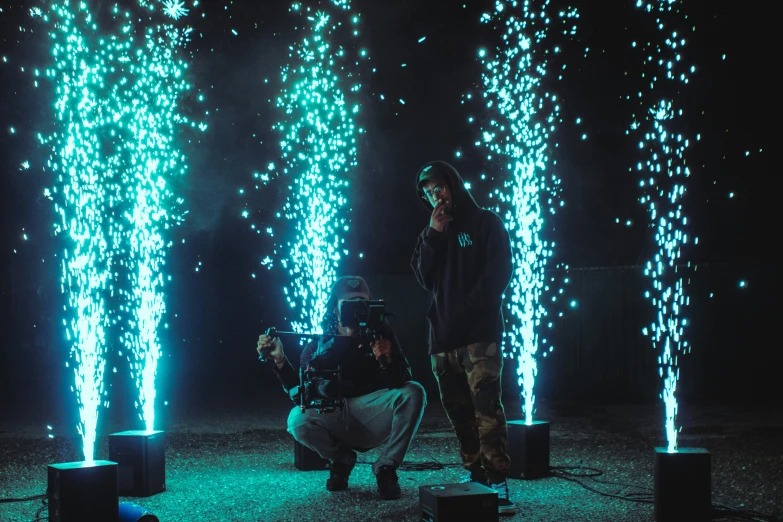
[662, 181]
[113, 153]
[520, 119]
[318, 150]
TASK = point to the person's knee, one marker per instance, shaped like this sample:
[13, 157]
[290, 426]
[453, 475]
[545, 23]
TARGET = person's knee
[414, 392]
[484, 381]
[489, 404]
[437, 361]
[298, 424]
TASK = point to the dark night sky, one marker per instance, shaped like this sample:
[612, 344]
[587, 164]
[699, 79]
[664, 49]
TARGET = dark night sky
[728, 102]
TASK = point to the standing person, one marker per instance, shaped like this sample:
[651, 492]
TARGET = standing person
[381, 407]
[463, 257]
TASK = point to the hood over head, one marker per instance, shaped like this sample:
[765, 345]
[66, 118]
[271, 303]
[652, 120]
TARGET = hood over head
[462, 199]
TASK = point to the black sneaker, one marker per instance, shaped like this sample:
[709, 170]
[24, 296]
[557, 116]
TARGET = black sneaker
[338, 477]
[388, 486]
[478, 476]
[505, 506]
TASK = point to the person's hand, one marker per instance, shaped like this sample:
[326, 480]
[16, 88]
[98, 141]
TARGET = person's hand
[265, 342]
[439, 218]
[381, 348]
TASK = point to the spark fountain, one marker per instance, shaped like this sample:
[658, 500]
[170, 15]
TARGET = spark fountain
[117, 84]
[682, 476]
[318, 150]
[521, 115]
[154, 87]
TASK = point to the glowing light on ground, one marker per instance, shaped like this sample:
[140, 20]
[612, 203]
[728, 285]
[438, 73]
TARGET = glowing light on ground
[662, 179]
[112, 154]
[318, 145]
[520, 117]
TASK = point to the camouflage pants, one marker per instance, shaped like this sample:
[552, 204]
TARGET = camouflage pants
[470, 389]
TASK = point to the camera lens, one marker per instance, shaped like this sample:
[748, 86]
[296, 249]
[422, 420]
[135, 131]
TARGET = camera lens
[327, 389]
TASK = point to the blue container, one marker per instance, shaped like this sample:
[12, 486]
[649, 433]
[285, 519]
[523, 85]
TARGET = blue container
[134, 513]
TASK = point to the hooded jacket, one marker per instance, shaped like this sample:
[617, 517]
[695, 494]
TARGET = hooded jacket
[361, 373]
[466, 268]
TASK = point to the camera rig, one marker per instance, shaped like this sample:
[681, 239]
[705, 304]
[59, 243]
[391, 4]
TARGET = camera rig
[365, 315]
[321, 386]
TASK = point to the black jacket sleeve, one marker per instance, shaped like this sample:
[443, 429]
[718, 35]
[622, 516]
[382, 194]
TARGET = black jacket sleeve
[399, 371]
[289, 376]
[496, 270]
[424, 262]
[360, 374]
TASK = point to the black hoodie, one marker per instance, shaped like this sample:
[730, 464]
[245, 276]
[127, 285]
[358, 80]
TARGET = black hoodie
[361, 373]
[467, 267]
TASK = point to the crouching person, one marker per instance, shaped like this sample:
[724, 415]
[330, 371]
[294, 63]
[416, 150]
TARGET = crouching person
[381, 405]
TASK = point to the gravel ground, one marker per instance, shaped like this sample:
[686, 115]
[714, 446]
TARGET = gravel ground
[239, 465]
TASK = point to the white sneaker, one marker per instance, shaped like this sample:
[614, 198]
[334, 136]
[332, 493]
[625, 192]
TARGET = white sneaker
[505, 506]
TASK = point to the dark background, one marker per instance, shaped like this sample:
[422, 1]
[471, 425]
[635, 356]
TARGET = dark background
[216, 313]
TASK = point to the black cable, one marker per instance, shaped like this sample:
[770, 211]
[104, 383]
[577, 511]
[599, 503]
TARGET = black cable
[745, 511]
[22, 499]
[44, 498]
[719, 511]
[594, 472]
[419, 466]
[560, 472]
[435, 465]
[717, 514]
[722, 511]
[43, 508]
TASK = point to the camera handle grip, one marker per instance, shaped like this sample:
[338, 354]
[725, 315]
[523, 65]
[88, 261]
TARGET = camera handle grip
[264, 356]
[383, 360]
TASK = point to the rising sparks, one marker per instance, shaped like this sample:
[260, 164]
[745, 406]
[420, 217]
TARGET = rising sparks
[663, 174]
[318, 146]
[520, 117]
[113, 153]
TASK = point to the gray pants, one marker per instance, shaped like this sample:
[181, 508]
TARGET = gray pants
[384, 416]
